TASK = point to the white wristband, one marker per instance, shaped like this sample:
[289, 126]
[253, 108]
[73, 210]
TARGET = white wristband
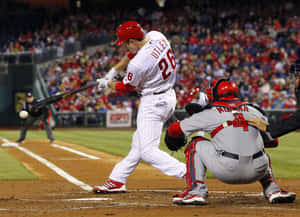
[111, 74]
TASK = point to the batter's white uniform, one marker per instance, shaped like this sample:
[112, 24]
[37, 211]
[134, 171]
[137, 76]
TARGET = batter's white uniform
[152, 72]
[203, 101]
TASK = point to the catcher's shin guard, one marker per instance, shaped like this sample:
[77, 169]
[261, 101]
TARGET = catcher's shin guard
[190, 177]
[268, 179]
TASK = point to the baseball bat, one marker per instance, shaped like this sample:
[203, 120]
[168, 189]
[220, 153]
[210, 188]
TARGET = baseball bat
[55, 98]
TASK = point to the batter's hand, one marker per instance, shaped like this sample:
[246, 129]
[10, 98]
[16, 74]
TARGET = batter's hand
[102, 83]
[258, 123]
[111, 74]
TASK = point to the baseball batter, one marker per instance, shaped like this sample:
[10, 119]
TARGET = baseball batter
[151, 71]
[235, 155]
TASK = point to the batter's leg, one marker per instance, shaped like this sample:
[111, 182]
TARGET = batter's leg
[149, 137]
[124, 168]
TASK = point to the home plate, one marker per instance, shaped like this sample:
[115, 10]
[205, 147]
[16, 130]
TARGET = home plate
[88, 199]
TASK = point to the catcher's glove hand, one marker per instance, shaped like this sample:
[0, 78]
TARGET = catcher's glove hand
[174, 144]
[193, 108]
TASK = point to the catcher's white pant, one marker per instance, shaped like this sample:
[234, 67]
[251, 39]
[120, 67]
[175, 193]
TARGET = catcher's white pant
[154, 110]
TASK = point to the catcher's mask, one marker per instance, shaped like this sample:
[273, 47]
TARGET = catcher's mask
[224, 90]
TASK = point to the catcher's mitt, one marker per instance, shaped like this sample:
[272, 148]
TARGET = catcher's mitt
[193, 108]
[174, 144]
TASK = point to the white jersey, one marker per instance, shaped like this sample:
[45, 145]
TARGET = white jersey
[153, 69]
[202, 100]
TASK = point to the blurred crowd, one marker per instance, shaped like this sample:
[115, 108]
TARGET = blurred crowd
[254, 45]
[54, 34]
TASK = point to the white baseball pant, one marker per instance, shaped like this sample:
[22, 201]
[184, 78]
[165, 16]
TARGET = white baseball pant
[154, 110]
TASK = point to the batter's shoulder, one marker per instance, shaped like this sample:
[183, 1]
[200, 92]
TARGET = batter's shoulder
[154, 35]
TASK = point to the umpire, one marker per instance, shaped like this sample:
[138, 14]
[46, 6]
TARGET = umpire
[32, 115]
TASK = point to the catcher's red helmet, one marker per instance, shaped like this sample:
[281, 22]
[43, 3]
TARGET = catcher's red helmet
[129, 30]
[224, 89]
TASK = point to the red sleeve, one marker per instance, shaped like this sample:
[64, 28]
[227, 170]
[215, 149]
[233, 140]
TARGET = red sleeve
[175, 130]
[130, 55]
[122, 88]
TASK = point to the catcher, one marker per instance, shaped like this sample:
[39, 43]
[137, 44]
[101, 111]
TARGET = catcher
[235, 155]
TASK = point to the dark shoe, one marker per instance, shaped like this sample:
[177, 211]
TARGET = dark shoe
[20, 141]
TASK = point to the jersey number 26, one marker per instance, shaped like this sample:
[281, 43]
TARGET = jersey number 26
[164, 64]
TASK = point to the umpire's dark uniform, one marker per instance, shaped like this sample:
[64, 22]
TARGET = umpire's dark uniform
[34, 115]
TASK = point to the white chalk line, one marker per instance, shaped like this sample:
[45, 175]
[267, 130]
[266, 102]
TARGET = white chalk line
[75, 151]
[269, 208]
[53, 167]
[68, 159]
[126, 204]
[216, 192]
[68, 200]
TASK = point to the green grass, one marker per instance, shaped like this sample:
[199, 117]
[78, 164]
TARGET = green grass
[285, 158]
[12, 169]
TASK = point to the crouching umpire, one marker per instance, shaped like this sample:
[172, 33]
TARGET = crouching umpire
[29, 114]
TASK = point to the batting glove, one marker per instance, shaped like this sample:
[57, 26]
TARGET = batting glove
[102, 83]
[111, 74]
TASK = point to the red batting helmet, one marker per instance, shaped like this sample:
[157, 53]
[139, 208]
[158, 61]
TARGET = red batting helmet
[224, 89]
[129, 30]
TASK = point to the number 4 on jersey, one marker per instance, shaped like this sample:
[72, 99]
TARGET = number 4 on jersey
[164, 64]
[239, 121]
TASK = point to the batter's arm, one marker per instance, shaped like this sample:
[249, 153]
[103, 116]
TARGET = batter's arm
[121, 65]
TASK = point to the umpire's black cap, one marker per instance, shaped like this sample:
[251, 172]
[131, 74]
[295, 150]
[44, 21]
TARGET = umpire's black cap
[29, 94]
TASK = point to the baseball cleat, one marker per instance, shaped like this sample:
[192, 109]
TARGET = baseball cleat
[110, 186]
[281, 197]
[192, 199]
[178, 197]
